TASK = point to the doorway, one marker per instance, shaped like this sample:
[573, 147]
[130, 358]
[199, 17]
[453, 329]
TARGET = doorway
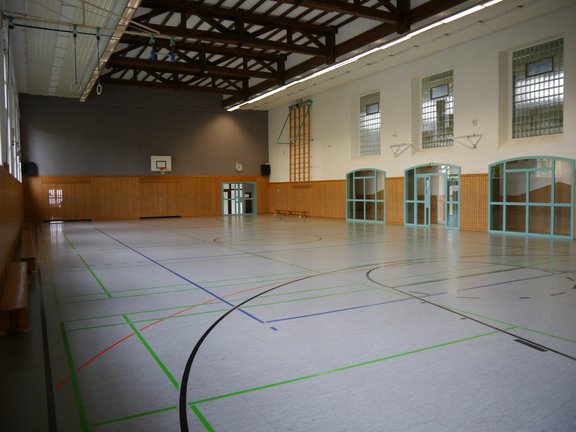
[432, 195]
[239, 198]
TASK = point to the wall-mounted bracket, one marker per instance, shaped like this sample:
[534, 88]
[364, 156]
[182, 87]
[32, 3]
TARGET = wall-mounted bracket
[472, 140]
[398, 149]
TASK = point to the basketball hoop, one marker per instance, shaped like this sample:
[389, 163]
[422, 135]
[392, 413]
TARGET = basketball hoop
[162, 170]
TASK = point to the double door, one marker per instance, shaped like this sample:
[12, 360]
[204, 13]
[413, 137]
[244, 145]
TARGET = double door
[239, 198]
[432, 195]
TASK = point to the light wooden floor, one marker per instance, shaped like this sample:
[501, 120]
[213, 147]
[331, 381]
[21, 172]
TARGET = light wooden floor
[367, 328]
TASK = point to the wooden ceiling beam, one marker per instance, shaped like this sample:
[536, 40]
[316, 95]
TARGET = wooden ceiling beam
[239, 39]
[195, 68]
[425, 11]
[343, 7]
[174, 86]
[203, 10]
[136, 41]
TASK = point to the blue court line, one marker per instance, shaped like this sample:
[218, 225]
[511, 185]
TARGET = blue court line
[513, 281]
[182, 277]
[353, 307]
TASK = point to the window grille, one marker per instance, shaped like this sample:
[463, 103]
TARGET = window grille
[370, 124]
[438, 110]
[538, 75]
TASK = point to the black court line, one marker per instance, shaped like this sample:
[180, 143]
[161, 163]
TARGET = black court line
[531, 345]
[183, 393]
[183, 396]
[557, 294]
[447, 309]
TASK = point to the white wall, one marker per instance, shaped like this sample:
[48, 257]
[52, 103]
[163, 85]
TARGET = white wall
[480, 86]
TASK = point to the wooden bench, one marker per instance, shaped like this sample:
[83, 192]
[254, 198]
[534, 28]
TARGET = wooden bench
[14, 303]
[299, 213]
[28, 249]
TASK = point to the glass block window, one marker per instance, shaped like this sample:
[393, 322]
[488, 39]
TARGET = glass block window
[538, 75]
[438, 110]
[370, 124]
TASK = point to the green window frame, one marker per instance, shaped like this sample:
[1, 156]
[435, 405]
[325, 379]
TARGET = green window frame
[532, 196]
[239, 198]
[430, 189]
[366, 195]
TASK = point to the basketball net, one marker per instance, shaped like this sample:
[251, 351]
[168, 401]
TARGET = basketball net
[162, 170]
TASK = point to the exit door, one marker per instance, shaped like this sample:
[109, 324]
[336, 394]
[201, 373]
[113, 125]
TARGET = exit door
[238, 198]
[432, 195]
[423, 200]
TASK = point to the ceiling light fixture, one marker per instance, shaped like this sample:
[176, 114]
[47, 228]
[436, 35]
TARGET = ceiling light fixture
[367, 53]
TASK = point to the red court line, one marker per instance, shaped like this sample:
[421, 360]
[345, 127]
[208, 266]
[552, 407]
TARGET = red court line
[65, 380]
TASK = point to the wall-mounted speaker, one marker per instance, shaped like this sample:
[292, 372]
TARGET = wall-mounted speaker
[265, 169]
[29, 169]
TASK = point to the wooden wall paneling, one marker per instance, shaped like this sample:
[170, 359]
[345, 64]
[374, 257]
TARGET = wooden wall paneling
[66, 198]
[11, 218]
[200, 196]
[263, 184]
[395, 200]
[114, 198]
[33, 198]
[158, 196]
[317, 198]
[474, 202]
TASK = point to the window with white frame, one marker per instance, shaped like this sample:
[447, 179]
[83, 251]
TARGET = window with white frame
[370, 124]
[438, 110]
[9, 112]
[538, 83]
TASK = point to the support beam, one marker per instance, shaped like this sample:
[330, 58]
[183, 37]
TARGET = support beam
[239, 39]
[234, 15]
[195, 68]
[372, 13]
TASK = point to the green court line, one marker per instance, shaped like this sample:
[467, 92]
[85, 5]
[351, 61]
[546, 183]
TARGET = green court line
[95, 277]
[68, 240]
[129, 296]
[152, 353]
[251, 279]
[74, 379]
[147, 320]
[548, 334]
[221, 310]
[201, 417]
[204, 304]
[517, 325]
[345, 368]
[264, 387]
[134, 416]
[129, 290]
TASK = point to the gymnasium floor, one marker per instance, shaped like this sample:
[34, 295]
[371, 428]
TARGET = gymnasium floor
[368, 327]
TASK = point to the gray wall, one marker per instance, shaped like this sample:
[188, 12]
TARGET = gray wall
[115, 133]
